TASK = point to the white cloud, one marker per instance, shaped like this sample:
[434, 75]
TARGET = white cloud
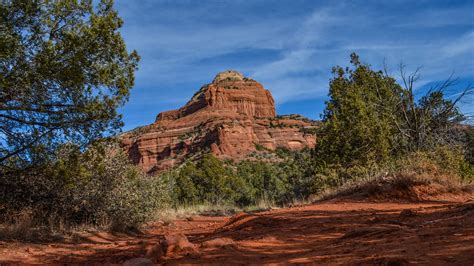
[168, 53]
[328, 36]
[299, 57]
[175, 38]
[462, 45]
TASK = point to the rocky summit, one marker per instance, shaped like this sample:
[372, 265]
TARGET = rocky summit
[233, 117]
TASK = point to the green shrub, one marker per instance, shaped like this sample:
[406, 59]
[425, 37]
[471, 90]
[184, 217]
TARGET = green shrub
[264, 182]
[212, 181]
[370, 118]
[135, 202]
[208, 180]
[98, 186]
[185, 192]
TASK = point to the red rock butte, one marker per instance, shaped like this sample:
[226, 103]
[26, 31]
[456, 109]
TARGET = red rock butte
[231, 117]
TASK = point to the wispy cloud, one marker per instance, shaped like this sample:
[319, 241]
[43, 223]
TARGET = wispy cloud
[289, 47]
[283, 76]
[329, 35]
[460, 46]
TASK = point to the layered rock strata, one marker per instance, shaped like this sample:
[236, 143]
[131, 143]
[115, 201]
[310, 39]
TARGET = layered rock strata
[231, 117]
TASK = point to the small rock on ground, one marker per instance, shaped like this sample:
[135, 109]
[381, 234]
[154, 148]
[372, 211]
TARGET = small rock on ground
[178, 244]
[218, 242]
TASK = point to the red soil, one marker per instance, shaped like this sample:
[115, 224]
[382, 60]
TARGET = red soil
[432, 233]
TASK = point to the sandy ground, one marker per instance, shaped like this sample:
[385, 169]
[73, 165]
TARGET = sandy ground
[327, 233]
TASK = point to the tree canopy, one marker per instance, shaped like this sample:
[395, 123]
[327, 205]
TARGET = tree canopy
[370, 118]
[64, 71]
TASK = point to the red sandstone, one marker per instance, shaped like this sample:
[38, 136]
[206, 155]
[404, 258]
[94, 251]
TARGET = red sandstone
[230, 117]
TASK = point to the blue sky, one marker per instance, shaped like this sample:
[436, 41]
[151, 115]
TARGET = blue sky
[288, 46]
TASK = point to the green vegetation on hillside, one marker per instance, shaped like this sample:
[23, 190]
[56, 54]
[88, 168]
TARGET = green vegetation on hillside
[371, 122]
[211, 181]
[372, 127]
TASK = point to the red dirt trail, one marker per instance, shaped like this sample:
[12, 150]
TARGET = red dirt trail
[326, 233]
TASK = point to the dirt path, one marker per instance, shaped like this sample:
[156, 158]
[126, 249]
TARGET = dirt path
[325, 233]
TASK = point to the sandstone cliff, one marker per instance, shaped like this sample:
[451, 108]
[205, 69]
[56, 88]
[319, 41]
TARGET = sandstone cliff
[231, 117]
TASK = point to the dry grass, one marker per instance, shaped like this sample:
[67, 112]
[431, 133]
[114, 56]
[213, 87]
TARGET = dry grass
[404, 186]
[23, 226]
[417, 177]
[18, 226]
[198, 209]
[210, 210]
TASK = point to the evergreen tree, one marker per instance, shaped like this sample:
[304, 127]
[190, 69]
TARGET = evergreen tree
[64, 71]
[358, 126]
[370, 118]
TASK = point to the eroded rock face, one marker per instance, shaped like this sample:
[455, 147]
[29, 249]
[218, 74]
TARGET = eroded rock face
[230, 117]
